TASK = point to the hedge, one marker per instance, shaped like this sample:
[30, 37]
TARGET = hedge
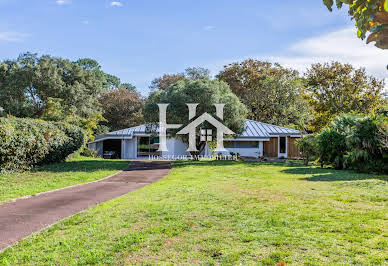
[27, 142]
[355, 142]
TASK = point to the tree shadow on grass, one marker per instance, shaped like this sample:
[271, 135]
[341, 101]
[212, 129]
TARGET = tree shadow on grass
[220, 163]
[83, 166]
[328, 175]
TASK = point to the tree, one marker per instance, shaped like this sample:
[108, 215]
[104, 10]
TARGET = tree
[128, 86]
[122, 108]
[54, 89]
[308, 147]
[206, 93]
[370, 16]
[197, 73]
[164, 82]
[334, 89]
[271, 93]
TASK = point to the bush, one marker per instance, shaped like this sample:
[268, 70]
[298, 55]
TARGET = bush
[355, 142]
[367, 145]
[60, 150]
[308, 147]
[28, 142]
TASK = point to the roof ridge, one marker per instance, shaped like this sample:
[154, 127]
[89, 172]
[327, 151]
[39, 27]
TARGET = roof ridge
[271, 124]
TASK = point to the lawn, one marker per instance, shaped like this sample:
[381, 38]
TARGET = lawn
[213, 212]
[44, 178]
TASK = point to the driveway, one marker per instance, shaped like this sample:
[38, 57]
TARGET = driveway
[24, 216]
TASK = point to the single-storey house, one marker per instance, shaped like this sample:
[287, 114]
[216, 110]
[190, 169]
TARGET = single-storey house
[258, 139]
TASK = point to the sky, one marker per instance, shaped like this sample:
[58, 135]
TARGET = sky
[140, 40]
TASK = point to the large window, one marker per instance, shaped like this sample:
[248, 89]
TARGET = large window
[282, 145]
[228, 144]
[147, 146]
[241, 144]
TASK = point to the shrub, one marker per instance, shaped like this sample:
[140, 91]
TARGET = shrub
[60, 150]
[28, 142]
[308, 147]
[355, 142]
[367, 145]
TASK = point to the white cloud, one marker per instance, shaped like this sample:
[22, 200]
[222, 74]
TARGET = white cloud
[116, 3]
[62, 2]
[12, 36]
[86, 22]
[343, 46]
[209, 28]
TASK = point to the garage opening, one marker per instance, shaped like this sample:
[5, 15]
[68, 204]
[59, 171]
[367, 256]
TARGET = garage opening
[112, 149]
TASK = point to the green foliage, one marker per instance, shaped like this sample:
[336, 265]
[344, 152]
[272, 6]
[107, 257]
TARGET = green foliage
[272, 94]
[308, 147]
[333, 89]
[164, 82]
[28, 142]
[75, 140]
[355, 142]
[122, 108]
[197, 73]
[368, 145]
[206, 93]
[55, 89]
[370, 16]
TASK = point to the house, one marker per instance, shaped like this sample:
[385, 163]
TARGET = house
[258, 139]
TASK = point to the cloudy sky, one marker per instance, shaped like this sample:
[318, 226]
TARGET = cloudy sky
[141, 40]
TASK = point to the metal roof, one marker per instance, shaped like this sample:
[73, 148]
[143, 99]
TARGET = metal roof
[253, 129]
[260, 129]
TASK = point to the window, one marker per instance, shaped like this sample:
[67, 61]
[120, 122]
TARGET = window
[228, 144]
[247, 144]
[282, 145]
[147, 146]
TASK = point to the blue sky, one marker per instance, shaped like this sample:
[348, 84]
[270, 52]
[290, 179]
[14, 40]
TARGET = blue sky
[140, 40]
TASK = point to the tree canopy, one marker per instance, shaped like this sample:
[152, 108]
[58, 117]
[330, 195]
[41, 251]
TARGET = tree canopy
[206, 93]
[122, 108]
[162, 83]
[55, 89]
[370, 16]
[271, 92]
[335, 88]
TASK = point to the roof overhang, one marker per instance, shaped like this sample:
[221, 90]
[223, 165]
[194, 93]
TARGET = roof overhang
[248, 139]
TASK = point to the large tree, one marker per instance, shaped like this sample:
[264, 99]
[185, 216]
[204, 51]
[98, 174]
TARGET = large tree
[122, 108]
[335, 88]
[271, 92]
[164, 82]
[27, 83]
[206, 93]
[370, 16]
[54, 89]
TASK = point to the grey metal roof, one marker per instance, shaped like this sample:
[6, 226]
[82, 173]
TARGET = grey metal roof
[253, 129]
[259, 129]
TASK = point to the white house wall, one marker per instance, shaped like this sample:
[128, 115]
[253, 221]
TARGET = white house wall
[175, 147]
[248, 152]
[129, 149]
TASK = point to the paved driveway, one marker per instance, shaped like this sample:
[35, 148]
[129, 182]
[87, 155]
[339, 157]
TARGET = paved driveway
[24, 216]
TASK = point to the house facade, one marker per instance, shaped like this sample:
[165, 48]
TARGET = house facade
[258, 139]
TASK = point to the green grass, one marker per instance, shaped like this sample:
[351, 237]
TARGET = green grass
[75, 171]
[213, 212]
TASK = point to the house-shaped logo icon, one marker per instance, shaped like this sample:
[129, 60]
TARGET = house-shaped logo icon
[190, 129]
